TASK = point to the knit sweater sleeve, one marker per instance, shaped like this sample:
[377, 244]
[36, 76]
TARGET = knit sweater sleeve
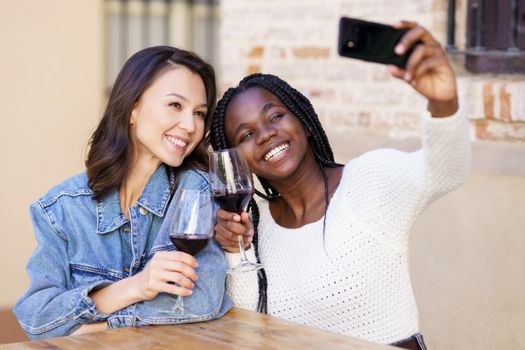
[243, 287]
[387, 188]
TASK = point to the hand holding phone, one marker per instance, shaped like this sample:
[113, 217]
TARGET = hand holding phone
[412, 54]
[370, 41]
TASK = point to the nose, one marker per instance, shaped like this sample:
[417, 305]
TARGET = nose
[265, 134]
[187, 122]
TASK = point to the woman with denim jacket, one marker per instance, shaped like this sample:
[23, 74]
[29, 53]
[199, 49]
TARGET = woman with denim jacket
[104, 258]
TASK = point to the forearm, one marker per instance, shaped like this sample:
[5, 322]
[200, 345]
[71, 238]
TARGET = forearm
[444, 162]
[116, 296]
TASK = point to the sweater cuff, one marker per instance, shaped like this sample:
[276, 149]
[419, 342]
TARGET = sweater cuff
[235, 258]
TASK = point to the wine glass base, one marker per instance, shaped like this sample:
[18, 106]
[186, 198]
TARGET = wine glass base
[245, 266]
[182, 313]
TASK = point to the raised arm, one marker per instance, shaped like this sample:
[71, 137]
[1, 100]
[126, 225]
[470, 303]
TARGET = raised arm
[396, 186]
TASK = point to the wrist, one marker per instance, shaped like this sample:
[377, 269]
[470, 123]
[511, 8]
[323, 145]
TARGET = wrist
[134, 290]
[442, 109]
[232, 250]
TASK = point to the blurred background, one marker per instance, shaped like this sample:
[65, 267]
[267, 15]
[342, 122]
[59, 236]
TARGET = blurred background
[58, 59]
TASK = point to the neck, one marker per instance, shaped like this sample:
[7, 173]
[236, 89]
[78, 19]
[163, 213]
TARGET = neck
[135, 182]
[301, 195]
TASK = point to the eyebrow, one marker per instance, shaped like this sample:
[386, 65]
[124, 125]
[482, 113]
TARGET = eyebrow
[184, 98]
[265, 109]
[267, 106]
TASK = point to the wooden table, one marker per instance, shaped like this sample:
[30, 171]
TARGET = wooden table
[238, 329]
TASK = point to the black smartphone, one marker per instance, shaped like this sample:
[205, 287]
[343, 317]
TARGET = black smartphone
[370, 41]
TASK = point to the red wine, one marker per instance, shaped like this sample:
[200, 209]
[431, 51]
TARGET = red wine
[234, 202]
[191, 244]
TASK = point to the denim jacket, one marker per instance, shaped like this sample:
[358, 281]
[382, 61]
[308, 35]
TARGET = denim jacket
[85, 245]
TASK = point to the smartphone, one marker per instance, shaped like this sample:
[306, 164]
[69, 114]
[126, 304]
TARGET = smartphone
[370, 41]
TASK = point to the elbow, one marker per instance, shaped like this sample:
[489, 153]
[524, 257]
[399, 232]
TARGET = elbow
[39, 324]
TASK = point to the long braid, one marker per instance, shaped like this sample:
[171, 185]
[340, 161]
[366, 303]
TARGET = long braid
[301, 107]
[262, 305]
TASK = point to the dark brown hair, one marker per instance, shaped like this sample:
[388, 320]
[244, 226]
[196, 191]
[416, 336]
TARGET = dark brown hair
[111, 152]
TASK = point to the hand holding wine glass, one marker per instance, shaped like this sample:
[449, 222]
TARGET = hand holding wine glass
[230, 227]
[191, 227]
[232, 189]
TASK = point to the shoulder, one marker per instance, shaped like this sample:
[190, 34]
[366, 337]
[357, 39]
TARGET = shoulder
[75, 186]
[193, 178]
[375, 160]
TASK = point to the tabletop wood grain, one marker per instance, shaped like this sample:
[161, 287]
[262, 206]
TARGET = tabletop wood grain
[238, 329]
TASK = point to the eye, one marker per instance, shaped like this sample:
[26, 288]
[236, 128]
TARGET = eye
[201, 114]
[245, 136]
[176, 105]
[276, 117]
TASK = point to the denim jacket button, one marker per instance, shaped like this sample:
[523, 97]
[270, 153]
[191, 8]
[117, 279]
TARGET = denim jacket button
[143, 211]
[126, 229]
[126, 269]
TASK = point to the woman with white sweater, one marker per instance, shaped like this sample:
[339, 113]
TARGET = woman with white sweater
[333, 239]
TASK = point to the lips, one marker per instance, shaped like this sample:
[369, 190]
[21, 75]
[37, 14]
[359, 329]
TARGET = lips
[274, 152]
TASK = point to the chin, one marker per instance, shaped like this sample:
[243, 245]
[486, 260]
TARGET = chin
[174, 163]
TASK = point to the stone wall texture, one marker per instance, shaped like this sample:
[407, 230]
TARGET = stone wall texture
[297, 40]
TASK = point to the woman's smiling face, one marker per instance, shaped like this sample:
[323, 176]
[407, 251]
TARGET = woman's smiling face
[168, 120]
[272, 140]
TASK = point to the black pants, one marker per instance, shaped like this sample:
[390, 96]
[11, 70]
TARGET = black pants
[415, 342]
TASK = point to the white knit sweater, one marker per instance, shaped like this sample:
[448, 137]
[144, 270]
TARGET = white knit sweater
[358, 282]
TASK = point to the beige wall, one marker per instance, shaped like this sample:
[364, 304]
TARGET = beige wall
[51, 69]
[469, 268]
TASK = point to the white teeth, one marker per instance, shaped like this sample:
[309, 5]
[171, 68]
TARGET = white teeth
[276, 151]
[176, 141]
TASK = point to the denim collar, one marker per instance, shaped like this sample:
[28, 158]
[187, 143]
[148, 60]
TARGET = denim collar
[155, 199]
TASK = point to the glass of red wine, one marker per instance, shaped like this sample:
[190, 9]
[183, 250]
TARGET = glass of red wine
[191, 227]
[232, 189]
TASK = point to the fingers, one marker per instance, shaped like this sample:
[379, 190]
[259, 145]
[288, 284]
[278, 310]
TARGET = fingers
[235, 223]
[164, 269]
[170, 282]
[424, 59]
[228, 240]
[174, 289]
[177, 256]
[235, 227]
[179, 279]
[225, 236]
[415, 33]
[164, 263]
[403, 24]
[415, 58]
[227, 215]
[230, 227]
[395, 71]
[417, 65]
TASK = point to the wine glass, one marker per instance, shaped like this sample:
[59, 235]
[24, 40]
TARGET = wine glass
[232, 189]
[191, 227]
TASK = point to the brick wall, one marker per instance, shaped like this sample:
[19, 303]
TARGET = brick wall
[297, 41]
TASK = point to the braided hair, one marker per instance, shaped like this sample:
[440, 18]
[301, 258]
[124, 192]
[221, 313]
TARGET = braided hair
[301, 107]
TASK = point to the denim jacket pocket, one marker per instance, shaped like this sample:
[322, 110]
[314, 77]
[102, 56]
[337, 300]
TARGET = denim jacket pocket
[84, 275]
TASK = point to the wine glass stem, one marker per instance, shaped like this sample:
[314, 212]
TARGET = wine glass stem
[179, 305]
[241, 248]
